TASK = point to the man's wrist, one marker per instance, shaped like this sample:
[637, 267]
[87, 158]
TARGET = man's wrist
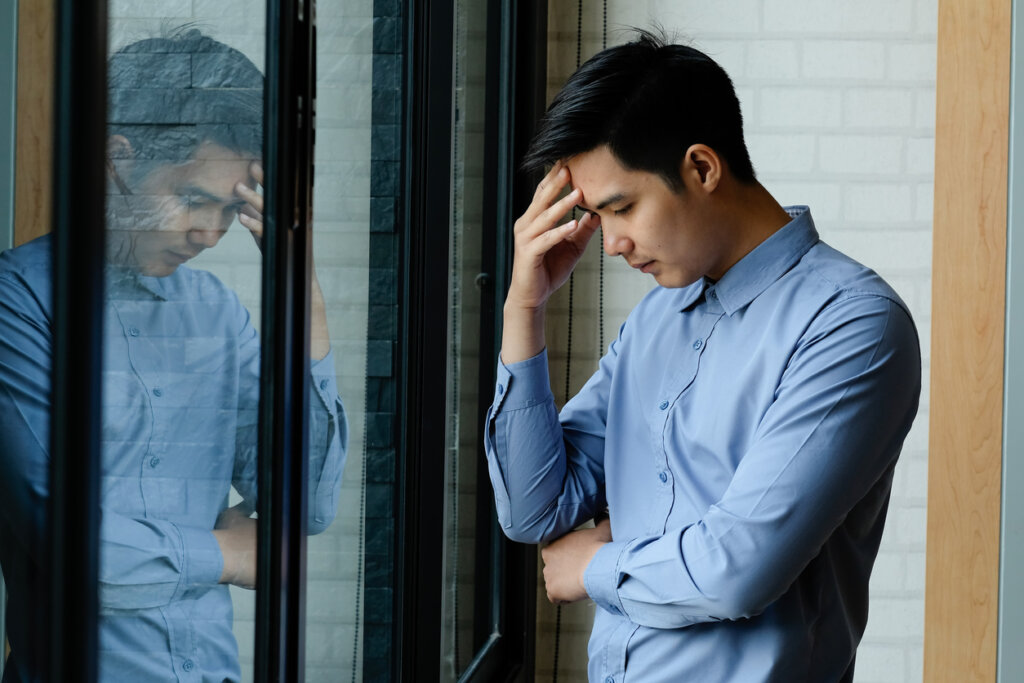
[523, 333]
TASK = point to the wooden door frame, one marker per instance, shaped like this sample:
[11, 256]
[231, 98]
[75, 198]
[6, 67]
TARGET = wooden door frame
[968, 340]
[34, 120]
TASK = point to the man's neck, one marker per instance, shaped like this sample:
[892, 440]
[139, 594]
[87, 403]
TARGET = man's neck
[751, 215]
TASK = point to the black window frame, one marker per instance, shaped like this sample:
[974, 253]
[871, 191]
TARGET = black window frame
[514, 100]
[79, 236]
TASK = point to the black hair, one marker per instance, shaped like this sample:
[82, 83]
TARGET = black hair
[168, 95]
[648, 100]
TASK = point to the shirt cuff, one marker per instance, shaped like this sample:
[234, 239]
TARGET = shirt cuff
[523, 384]
[601, 578]
[204, 562]
[324, 380]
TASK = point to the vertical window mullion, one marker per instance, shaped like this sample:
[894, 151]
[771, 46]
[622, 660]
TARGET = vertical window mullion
[427, 185]
[284, 396]
[78, 214]
[516, 98]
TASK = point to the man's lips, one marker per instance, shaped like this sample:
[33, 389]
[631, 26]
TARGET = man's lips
[642, 266]
[182, 257]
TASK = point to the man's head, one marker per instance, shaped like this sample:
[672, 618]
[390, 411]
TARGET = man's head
[185, 121]
[648, 102]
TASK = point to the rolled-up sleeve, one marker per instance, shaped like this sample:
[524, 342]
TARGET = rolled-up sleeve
[328, 445]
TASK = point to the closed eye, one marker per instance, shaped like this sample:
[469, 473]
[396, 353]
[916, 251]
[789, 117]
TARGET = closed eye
[624, 210]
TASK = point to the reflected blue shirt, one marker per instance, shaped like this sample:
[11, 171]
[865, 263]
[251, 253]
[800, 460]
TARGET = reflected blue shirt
[179, 408]
[742, 435]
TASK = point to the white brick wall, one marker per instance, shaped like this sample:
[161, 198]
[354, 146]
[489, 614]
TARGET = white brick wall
[839, 103]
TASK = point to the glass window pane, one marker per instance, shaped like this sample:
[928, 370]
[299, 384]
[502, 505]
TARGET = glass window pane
[350, 566]
[181, 361]
[465, 620]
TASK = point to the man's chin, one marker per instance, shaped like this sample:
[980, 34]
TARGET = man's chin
[158, 270]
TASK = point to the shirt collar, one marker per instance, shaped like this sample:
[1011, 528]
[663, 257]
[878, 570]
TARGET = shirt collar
[689, 295]
[123, 282]
[768, 262]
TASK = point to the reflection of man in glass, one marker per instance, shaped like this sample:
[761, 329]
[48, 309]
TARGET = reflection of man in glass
[180, 378]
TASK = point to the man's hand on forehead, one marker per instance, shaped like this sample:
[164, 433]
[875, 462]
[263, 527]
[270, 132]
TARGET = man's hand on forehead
[251, 213]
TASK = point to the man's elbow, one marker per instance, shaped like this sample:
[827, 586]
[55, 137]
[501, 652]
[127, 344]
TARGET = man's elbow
[541, 529]
[317, 524]
[744, 599]
[531, 534]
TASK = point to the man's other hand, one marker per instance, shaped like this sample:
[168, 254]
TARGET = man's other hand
[566, 559]
[235, 532]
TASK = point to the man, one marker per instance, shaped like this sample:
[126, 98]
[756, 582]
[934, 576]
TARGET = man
[180, 379]
[742, 429]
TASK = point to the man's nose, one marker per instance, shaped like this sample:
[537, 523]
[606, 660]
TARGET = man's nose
[205, 236]
[615, 243]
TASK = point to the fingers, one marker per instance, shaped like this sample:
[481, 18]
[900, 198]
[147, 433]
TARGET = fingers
[256, 169]
[550, 216]
[254, 225]
[254, 200]
[251, 215]
[547, 191]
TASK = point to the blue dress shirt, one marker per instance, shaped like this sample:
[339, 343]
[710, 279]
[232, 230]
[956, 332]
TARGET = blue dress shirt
[743, 435]
[179, 409]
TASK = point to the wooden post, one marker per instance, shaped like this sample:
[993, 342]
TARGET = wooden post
[968, 319]
[34, 145]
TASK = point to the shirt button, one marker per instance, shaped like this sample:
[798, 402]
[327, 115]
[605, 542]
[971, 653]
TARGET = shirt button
[713, 294]
[188, 665]
[663, 405]
[323, 384]
[609, 680]
[663, 477]
[697, 344]
[501, 389]
[158, 392]
[154, 461]
[133, 331]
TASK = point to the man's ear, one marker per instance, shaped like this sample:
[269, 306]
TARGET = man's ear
[119, 147]
[701, 168]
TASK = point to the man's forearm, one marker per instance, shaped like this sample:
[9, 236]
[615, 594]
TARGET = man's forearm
[523, 333]
[319, 339]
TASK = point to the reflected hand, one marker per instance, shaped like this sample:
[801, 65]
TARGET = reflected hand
[235, 532]
[251, 215]
[566, 559]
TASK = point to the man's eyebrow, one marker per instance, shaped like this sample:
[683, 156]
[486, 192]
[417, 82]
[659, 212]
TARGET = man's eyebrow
[192, 190]
[617, 197]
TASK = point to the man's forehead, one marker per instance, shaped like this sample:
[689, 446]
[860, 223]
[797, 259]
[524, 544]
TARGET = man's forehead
[598, 190]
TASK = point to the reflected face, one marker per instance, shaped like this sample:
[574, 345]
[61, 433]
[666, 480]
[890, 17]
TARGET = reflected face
[177, 210]
[658, 230]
